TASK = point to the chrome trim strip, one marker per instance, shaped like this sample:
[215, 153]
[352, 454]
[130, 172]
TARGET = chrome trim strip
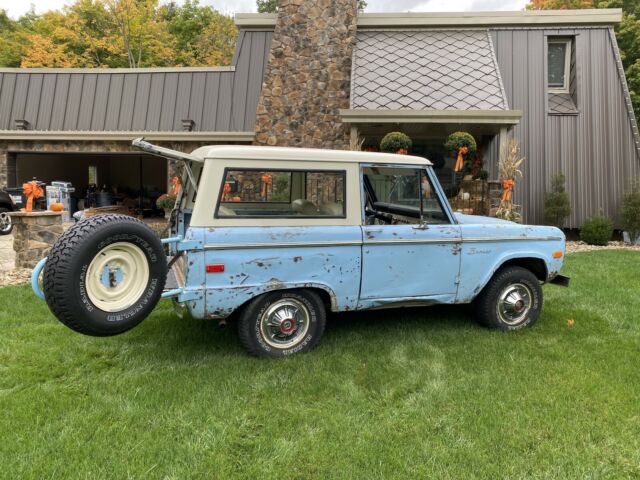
[510, 239]
[238, 246]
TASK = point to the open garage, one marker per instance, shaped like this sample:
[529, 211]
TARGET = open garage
[133, 180]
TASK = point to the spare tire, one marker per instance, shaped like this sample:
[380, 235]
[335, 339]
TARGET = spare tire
[105, 274]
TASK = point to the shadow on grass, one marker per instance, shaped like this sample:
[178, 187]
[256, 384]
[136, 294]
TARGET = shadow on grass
[165, 335]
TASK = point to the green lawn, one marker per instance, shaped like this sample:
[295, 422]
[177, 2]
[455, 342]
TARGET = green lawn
[392, 394]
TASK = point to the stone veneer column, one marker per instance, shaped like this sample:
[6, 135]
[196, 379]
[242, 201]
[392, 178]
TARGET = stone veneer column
[308, 76]
[34, 233]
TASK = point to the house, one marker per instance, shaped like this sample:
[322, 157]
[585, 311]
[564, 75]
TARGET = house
[323, 76]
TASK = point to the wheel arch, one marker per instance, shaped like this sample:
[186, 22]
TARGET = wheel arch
[326, 294]
[533, 262]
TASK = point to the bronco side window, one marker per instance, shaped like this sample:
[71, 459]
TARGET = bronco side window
[394, 195]
[282, 193]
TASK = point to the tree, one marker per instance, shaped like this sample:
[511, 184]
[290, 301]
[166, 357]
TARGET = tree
[271, 6]
[627, 34]
[202, 35]
[557, 206]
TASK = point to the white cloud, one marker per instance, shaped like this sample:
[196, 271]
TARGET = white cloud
[15, 9]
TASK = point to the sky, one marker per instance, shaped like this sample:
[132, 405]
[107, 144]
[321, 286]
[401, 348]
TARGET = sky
[17, 8]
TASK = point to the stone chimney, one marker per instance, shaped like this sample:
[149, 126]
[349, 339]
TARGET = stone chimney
[308, 77]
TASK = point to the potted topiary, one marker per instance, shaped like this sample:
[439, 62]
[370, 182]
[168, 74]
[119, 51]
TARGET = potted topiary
[462, 146]
[557, 206]
[166, 202]
[630, 214]
[396, 142]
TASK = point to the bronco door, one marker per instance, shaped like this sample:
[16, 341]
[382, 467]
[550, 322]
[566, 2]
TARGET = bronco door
[411, 247]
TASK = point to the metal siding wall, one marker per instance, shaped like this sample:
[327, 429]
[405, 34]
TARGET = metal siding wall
[59, 108]
[73, 103]
[185, 81]
[6, 98]
[214, 100]
[595, 149]
[129, 89]
[210, 103]
[87, 100]
[141, 103]
[196, 101]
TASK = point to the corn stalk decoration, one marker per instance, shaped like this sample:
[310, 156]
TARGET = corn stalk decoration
[508, 172]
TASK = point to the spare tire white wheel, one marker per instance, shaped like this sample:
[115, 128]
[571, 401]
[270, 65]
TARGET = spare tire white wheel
[105, 274]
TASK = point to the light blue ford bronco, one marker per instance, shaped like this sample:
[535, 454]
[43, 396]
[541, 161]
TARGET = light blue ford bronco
[276, 237]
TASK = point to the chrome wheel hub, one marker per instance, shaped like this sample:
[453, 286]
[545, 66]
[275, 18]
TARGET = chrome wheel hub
[514, 303]
[5, 222]
[285, 323]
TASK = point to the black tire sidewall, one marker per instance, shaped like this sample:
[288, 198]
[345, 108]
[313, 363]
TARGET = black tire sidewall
[488, 315]
[251, 332]
[99, 322]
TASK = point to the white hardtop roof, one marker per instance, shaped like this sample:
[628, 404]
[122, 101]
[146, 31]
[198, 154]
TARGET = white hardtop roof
[242, 152]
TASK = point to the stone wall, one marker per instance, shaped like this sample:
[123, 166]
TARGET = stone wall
[308, 77]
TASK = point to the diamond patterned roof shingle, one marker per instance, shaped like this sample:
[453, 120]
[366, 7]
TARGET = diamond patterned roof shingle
[426, 69]
[561, 103]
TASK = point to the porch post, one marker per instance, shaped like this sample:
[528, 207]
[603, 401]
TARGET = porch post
[353, 137]
[503, 138]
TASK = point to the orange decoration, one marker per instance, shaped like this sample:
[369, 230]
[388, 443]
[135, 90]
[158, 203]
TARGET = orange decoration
[266, 180]
[403, 151]
[57, 207]
[236, 199]
[175, 186]
[225, 192]
[32, 191]
[507, 186]
[462, 151]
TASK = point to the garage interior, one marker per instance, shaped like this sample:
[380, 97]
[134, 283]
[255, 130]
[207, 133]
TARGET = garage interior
[131, 180]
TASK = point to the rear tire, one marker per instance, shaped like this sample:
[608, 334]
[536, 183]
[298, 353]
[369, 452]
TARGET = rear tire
[282, 323]
[6, 225]
[511, 300]
[104, 275]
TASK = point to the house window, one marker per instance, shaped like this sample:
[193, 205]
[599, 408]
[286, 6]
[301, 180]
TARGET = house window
[282, 193]
[559, 65]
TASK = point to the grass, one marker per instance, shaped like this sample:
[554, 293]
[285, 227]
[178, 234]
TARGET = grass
[392, 394]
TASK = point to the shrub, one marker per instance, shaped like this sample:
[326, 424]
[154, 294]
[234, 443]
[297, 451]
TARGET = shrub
[557, 206]
[630, 214]
[395, 141]
[456, 141]
[166, 201]
[597, 230]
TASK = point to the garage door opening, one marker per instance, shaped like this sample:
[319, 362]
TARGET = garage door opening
[131, 180]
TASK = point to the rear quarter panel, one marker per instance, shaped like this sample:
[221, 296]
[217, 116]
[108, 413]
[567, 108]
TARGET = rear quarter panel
[262, 259]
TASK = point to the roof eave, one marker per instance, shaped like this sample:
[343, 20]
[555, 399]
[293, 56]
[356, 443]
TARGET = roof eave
[83, 135]
[494, 117]
[528, 18]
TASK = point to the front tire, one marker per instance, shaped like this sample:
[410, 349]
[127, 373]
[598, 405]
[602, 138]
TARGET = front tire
[282, 323]
[104, 275]
[511, 300]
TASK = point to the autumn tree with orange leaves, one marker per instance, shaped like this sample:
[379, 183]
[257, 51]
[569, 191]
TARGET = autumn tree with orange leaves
[118, 33]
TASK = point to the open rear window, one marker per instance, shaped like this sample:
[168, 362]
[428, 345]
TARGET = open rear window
[282, 193]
